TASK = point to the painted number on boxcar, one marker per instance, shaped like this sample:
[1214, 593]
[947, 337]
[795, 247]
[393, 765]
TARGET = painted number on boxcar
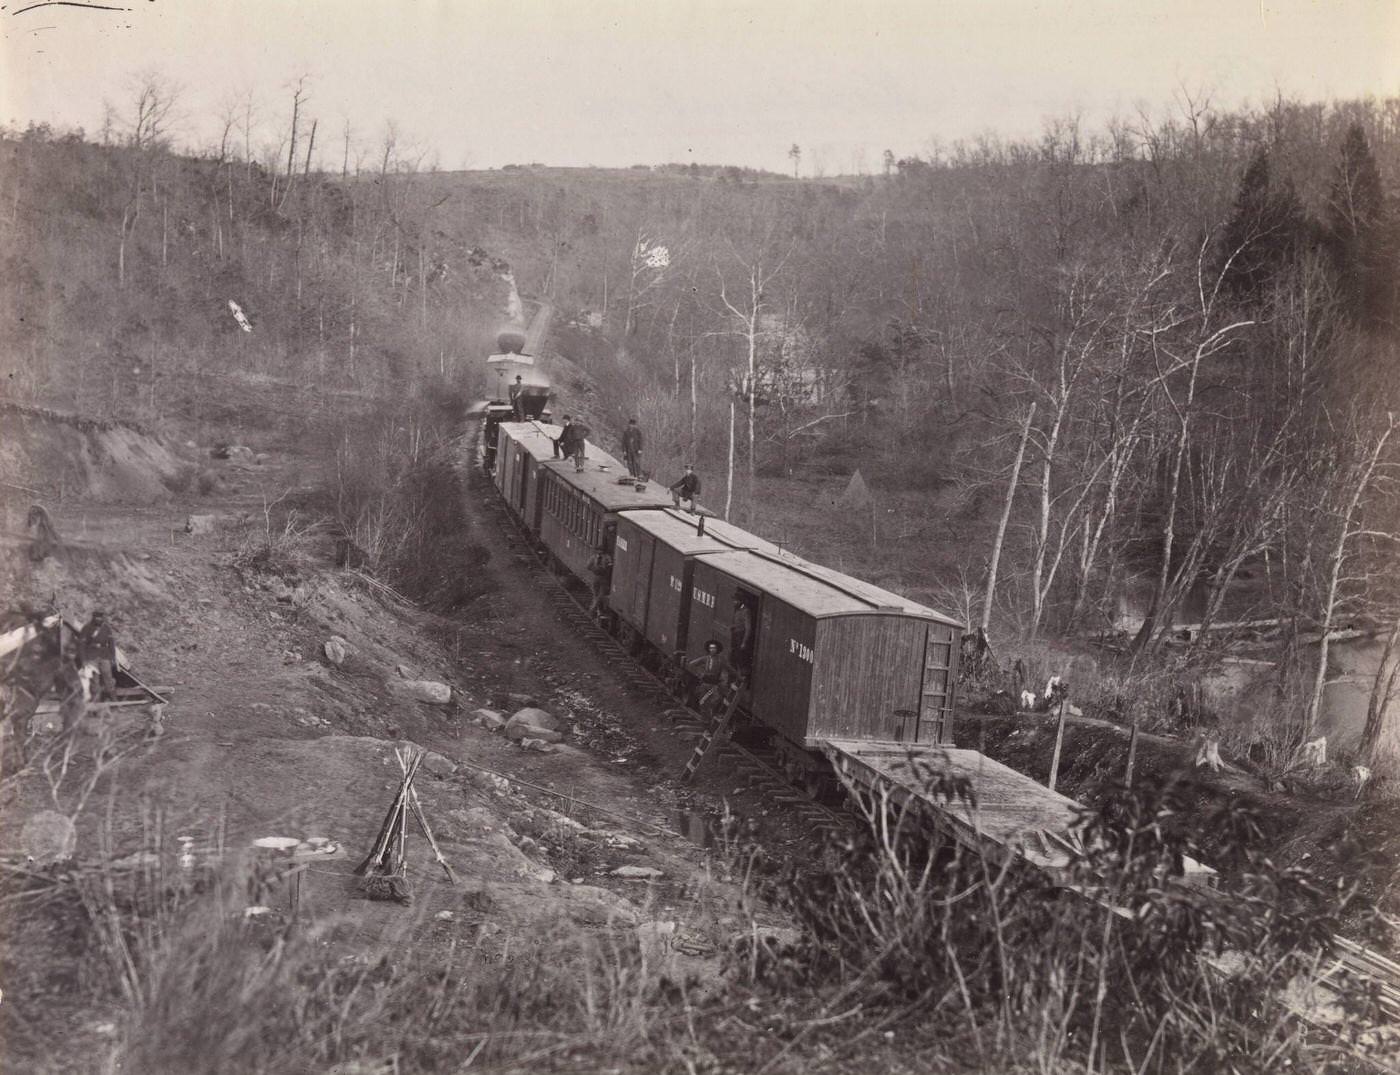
[703, 598]
[622, 544]
[675, 584]
[802, 652]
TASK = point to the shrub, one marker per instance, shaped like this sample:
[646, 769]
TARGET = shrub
[1127, 969]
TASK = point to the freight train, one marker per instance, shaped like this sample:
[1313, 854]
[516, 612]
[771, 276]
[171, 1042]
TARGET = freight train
[816, 655]
[842, 677]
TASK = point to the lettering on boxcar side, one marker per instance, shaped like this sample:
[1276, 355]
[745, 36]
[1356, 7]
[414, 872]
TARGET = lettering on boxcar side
[622, 544]
[675, 584]
[800, 651]
[703, 598]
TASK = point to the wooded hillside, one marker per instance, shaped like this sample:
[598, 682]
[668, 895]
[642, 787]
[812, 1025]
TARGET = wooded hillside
[1174, 343]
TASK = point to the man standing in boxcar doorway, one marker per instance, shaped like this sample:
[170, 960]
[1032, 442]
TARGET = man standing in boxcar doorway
[632, 448]
[741, 637]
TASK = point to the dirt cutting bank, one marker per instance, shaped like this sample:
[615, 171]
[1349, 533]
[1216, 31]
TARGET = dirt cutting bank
[270, 731]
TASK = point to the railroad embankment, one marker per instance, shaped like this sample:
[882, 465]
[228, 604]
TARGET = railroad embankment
[290, 682]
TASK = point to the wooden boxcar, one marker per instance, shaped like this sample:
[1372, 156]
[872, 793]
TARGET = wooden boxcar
[652, 564]
[521, 448]
[576, 506]
[832, 657]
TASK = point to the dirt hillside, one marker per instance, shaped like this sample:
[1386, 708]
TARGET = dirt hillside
[265, 735]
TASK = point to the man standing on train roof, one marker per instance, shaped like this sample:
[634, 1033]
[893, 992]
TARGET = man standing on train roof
[572, 441]
[517, 398]
[686, 488]
[632, 448]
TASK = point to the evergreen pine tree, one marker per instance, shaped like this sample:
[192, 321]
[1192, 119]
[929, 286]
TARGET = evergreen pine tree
[1265, 232]
[1358, 232]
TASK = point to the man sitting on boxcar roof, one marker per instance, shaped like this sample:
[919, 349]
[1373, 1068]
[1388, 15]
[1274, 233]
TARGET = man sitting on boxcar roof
[686, 487]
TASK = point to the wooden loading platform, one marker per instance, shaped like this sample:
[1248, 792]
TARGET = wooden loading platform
[1008, 814]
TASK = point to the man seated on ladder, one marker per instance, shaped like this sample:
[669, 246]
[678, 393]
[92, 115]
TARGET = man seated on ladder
[712, 674]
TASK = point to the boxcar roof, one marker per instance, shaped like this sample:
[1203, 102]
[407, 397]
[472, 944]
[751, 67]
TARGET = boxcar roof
[868, 591]
[789, 581]
[599, 481]
[537, 438]
[677, 529]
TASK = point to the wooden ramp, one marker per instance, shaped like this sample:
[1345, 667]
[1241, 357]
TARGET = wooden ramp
[1011, 814]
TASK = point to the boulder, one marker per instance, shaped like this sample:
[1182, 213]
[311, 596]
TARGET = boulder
[489, 719]
[537, 745]
[439, 765]
[591, 906]
[534, 724]
[201, 524]
[422, 690]
[336, 650]
[638, 872]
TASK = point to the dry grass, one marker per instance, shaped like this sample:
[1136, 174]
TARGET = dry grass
[910, 953]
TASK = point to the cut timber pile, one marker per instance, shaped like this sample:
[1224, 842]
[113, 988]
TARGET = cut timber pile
[385, 868]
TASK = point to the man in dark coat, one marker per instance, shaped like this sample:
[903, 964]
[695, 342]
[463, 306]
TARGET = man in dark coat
[741, 637]
[98, 645]
[686, 488]
[573, 440]
[711, 673]
[632, 448]
[517, 398]
[601, 567]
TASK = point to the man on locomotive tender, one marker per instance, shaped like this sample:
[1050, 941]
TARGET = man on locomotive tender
[517, 398]
[711, 673]
[686, 487]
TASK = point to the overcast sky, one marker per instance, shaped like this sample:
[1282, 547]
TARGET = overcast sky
[573, 82]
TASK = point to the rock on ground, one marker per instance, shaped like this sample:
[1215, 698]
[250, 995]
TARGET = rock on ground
[489, 719]
[534, 724]
[422, 690]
